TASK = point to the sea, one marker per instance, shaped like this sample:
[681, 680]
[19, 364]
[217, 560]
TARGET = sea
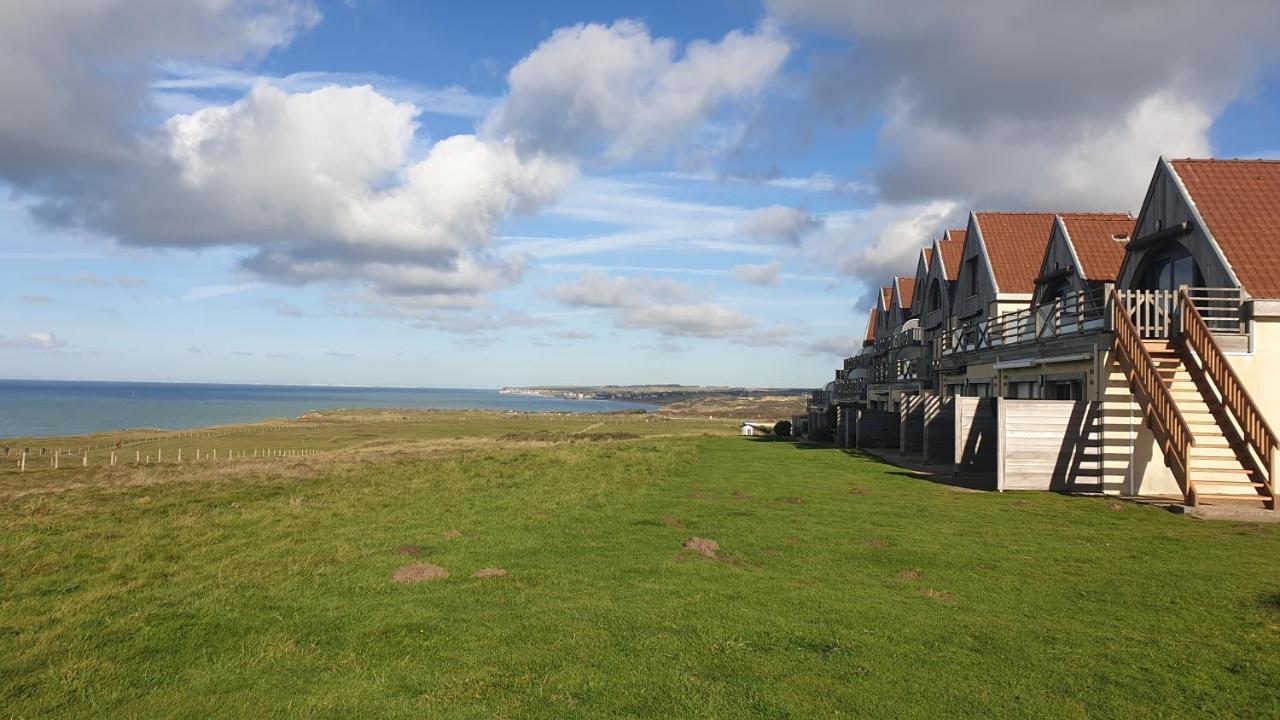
[38, 408]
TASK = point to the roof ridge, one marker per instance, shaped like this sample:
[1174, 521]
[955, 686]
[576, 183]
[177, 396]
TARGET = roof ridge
[1240, 161]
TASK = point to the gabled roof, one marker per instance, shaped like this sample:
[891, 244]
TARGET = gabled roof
[1239, 201]
[871, 327]
[951, 247]
[886, 297]
[1099, 240]
[928, 257]
[906, 290]
[1015, 245]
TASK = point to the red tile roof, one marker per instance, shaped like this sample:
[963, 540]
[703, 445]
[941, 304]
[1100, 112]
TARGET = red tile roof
[952, 249]
[871, 327]
[1015, 245]
[928, 257]
[1240, 202]
[1099, 240]
[906, 290]
[886, 297]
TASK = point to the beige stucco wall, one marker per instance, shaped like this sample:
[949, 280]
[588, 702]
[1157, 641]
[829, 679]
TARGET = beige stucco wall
[1260, 369]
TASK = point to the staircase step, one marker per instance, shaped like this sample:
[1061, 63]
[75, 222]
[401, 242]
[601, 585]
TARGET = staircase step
[1220, 474]
[1233, 498]
[1228, 483]
[1200, 450]
[1216, 463]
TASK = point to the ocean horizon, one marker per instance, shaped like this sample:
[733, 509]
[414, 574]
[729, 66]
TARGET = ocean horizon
[47, 408]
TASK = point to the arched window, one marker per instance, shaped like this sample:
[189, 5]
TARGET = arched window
[935, 296]
[1170, 269]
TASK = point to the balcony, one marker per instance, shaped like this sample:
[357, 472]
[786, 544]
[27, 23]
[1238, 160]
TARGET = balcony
[1155, 313]
[873, 354]
[1073, 314]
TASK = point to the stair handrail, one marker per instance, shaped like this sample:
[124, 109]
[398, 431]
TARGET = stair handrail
[1235, 397]
[1163, 410]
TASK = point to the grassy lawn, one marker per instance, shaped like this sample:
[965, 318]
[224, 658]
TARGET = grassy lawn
[841, 586]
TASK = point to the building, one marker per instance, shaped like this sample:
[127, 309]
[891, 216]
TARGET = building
[1090, 351]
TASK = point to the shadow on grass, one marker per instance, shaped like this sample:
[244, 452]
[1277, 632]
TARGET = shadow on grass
[936, 474]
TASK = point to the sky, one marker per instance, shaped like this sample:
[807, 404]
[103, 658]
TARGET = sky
[486, 194]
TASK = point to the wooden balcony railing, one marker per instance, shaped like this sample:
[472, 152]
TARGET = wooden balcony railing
[1155, 312]
[1074, 313]
[1166, 421]
[1198, 334]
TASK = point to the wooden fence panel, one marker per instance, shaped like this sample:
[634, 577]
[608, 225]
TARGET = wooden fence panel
[911, 426]
[877, 429]
[977, 444]
[1051, 445]
[938, 443]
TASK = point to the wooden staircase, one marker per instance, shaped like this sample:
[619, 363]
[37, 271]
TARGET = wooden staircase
[1220, 468]
[1212, 433]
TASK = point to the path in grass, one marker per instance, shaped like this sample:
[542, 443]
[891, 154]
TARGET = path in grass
[839, 585]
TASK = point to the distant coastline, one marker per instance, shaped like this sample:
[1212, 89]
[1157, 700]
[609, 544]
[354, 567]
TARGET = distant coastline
[650, 394]
[46, 408]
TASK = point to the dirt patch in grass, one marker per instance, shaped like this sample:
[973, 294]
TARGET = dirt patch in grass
[876, 543]
[451, 534]
[419, 572]
[857, 491]
[739, 495]
[703, 546]
[911, 574]
[937, 594]
[413, 550]
[793, 500]
[489, 572]
[1115, 506]
[671, 521]
[698, 495]
[771, 552]
[792, 540]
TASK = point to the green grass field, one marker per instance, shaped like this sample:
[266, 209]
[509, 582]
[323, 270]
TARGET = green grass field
[841, 585]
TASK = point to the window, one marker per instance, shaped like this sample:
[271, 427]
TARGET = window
[1023, 390]
[978, 389]
[955, 389]
[935, 296]
[1170, 269]
[1064, 390]
[971, 268]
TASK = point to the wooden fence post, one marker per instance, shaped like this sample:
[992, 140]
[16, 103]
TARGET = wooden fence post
[22, 464]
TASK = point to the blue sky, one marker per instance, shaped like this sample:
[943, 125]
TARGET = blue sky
[485, 194]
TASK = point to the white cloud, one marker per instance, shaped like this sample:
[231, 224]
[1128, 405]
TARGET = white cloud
[599, 290]
[766, 274]
[1019, 105]
[316, 181]
[179, 80]
[618, 92]
[653, 304]
[37, 340]
[838, 346]
[74, 74]
[782, 224]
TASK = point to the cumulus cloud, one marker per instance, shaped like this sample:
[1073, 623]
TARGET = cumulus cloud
[653, 304]
[780, 223]
[38, 340]
[765, 274]
[74, 74]
[316, 181]
[617, 92]
[1014, 105]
